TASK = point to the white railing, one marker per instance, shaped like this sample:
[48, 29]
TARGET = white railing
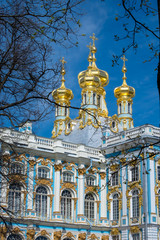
[69, 146]
[44, 141]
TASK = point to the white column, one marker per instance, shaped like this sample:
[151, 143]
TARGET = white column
[57, 168]
[124, 200]
[103, 196]
[81, 172]
[30, 183]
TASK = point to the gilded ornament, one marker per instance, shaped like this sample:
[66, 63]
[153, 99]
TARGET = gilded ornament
[93, 237]
[17, 178]
[81, 171]
[103, 175]
[115, 231]
[30, 234]
[123, 160]
[68, 185]
[69, 167]
[114, 167]
[44, 233]
[44, 182]
[69, 235]
[3, 232]
[81, 236]
[58, 167]
[105, 237]
[91, 189]
[134, 229]
[75, 202]
[32, 163]
[57, 235]
[91, 171]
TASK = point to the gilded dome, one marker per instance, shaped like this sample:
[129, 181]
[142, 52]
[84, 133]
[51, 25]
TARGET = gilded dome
[93, 76]
[124, 91]
[62, 94]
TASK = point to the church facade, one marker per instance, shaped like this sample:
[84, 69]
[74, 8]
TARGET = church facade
[97, 178]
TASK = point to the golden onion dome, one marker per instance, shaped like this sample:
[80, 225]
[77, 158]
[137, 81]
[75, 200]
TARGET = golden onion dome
[124, 91]
[89, 76]
[62, 93]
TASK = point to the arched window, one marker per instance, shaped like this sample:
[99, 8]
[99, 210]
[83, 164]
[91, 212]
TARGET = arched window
[94, 98]
[89, 206]
[43, 172]
[67, 177]
[14, 198]
[17, 168]
[85, 99]
[66, 204]
[120, 108]
[129, 108]
[135, 236]
[41, 238]
[115, 207]
[90, 181]
[98, 100]
[41, 201]
[159, 202]
[14, 237]
[65, 111]
[135, 204]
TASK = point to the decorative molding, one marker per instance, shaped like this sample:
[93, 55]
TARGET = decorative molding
[3, 232]
[115, 231]
[91, 189]
[57, 235]
[81, 236]
[32, 163]
[68, 185]
[30, 234]
[58, 167]
[44, 233]
[68, 235]
[81, 171]
[105, 237]
[134, 229]
[44, 182]
[93, 237]
[114, 167]
[103, 175]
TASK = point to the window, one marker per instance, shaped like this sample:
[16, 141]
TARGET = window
[65, 111]
[135, 236]
[134, 174]
[41, 201]
[90, 181]
[67, 177]
[43, 173]
[41, 238]
[113, 124]
[115, 237]
[98, 100]
[14, 198]
[159, 202]
[14, 237]
[115, 207]
[66, 204]
[89, 206]
[129, 108]
[115, 178]
[158, 173]
[94, 98]
[135, 204]
[120, 108]
[85, 99]
[17, 168]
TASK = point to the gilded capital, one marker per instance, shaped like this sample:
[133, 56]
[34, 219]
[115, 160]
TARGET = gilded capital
[57, 167]
[105, 237]
[81, 171]
[103, 175]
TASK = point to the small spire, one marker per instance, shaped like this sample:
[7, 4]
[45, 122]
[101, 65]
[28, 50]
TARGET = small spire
[63, 72]
[90, 58]
[94, 50]
[124, 70]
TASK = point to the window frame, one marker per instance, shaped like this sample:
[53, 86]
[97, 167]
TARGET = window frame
[47, 172]
[66, 205]
[15, 199]
[115, 207]
[134, 173]
[41, 202]
[91, 179]
[135, 204]
[115, 180]
[69, 176]
[89, 207]
[15, 170]
[158, 172]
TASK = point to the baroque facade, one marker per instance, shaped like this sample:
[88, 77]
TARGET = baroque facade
[97, 178]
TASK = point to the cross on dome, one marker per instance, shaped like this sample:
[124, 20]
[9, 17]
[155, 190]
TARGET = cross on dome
[89, 46]
[124, 59]
[63, 61]
[94, 39]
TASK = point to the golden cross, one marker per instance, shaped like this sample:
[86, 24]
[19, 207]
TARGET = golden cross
[63, 62]
[93, 38]
[124, 59]
[89, 46]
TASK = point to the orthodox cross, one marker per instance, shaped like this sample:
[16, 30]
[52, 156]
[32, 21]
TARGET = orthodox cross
[63, 62]
[94, 39]
[124, 59]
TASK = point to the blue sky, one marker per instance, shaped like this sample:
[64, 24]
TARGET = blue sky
[99, 18]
